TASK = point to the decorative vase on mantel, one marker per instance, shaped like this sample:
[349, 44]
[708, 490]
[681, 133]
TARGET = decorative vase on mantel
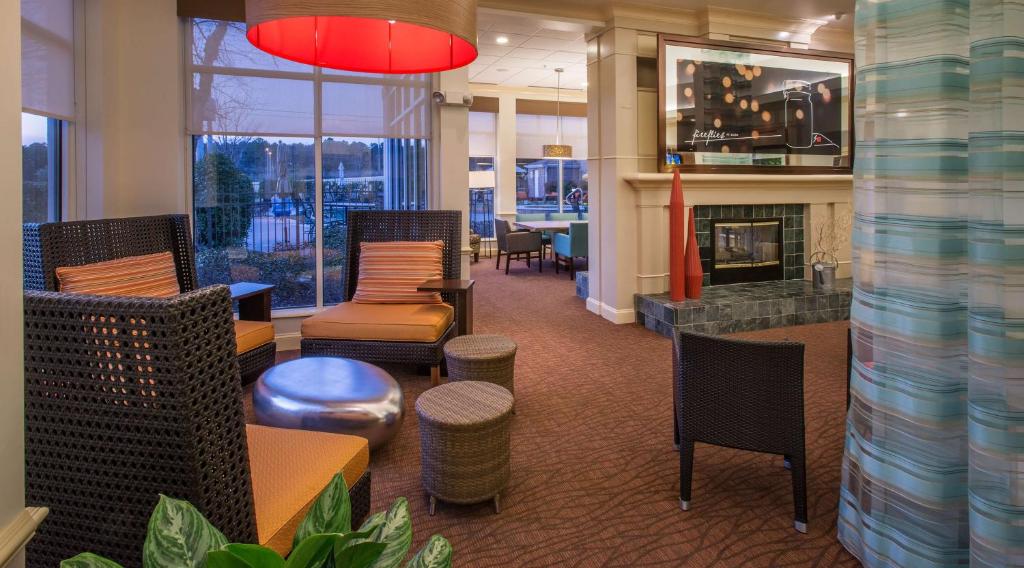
[677, 241]
[694, 272]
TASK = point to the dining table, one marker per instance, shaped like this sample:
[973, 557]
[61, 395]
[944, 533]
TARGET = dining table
[554, 226]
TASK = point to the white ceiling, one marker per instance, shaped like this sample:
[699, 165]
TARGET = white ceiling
[535, 48]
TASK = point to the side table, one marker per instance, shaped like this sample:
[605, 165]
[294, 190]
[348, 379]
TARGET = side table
[254, 300]
[463, 290]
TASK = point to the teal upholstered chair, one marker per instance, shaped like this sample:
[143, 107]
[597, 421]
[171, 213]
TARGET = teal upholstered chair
[545, 236]
[571, 246]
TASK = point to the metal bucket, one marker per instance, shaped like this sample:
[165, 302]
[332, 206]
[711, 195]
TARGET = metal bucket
[824, 276]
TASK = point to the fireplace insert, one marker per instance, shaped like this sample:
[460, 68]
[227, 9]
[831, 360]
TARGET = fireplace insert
[746, 250]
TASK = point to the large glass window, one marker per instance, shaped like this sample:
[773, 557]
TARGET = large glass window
[550, 186]
[482, 152]
[41, 168]
[275, 173]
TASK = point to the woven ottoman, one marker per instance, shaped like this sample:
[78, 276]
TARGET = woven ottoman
[464, 442]
[487, 358]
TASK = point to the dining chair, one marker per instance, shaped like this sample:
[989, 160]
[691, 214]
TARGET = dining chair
[516, 244]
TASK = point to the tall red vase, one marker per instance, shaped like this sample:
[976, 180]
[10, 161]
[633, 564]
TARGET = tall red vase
[677, 242]
[694, 273]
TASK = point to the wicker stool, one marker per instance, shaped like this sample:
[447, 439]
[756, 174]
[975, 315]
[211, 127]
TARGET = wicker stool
[487, 358]
[464, 442]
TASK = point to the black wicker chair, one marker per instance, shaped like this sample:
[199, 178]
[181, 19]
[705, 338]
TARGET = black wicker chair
[51, 245]
[740, 394]
[382, 226]
[128, 398]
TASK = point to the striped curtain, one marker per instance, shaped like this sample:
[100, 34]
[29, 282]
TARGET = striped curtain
[933, 472]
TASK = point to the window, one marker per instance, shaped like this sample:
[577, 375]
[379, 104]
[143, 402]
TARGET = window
[550, 186]
[275, 174]
[48, 103]
[41, 168]
[482, 150]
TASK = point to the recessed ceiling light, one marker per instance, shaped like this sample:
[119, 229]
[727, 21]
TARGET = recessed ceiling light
[784, 35]
[501, 40]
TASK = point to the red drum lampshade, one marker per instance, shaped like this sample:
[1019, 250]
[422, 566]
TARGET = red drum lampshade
[370, 36]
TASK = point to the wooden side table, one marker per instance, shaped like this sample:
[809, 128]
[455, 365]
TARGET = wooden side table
[463, 300]
[254, 300]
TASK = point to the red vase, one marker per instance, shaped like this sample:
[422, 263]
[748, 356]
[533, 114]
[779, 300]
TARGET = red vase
[677, 242]
[694, 273]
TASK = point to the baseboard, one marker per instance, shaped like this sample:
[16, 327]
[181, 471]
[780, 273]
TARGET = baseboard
[611, 314]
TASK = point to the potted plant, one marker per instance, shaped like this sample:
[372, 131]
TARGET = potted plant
[832, 235]
[179, 536]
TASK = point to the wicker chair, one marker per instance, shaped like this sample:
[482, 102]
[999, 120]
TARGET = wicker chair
[740, 394]
[51, 245]
[128, 398]
[383, 226]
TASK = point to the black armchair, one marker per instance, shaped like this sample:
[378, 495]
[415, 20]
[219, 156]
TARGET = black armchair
[740, 394]
[516, 244]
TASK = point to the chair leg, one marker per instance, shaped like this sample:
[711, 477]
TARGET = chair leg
[497, 504]
[540, 261]
[572, 268]
[433, 505]
[675, 428]
[799, 472]
[685, 473]
[435, 375]
[507, 258]
[498, 265]
[556, 263]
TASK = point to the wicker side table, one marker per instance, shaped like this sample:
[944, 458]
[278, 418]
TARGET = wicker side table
[487, 358]
[464, 442]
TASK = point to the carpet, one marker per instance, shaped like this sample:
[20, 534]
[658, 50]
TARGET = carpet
[595, 480]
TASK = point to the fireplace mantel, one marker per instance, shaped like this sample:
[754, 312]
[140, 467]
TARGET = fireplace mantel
[742, 189]
[823, 197]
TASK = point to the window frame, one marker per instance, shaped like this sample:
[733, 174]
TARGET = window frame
[318, 78]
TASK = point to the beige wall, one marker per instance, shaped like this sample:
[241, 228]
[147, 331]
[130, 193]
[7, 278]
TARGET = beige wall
[12, 480]
[132, 159]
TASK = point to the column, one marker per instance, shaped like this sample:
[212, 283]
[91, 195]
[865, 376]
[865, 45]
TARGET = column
[451, 155]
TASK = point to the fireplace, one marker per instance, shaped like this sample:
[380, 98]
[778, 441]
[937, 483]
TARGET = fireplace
[746, 250]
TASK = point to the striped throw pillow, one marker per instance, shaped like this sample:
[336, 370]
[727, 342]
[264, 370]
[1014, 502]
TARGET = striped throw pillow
[150, 275]
[389, 272]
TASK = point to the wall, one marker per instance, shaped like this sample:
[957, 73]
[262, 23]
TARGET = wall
[132, 159]
[12, 497]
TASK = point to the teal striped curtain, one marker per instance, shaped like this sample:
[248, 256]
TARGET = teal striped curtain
[933, 472]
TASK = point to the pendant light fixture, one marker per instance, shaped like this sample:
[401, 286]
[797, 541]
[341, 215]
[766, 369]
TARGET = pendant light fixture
[558, 151]
[370, 36]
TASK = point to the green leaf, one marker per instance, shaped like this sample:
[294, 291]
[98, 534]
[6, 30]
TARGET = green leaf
[89, 560]
[179, 536]
[396, 533]
[244, 556]
[372, 522]
[436, 553]
[360, 555]
[313, 551]
[330, 513]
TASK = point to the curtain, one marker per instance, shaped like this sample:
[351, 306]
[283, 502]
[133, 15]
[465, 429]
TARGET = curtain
[48, 58]
[933, 472]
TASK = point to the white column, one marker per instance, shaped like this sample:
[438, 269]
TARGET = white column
[505, 160]
[12, 396]
[451, 155]
[612, 134]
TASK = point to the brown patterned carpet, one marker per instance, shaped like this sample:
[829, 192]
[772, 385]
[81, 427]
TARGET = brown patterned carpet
[595, 480]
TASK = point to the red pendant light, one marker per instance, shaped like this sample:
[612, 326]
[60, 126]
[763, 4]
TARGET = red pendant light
[370, 36]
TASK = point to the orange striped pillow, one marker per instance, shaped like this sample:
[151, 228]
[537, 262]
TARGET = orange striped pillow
[390, 272]
[150, 275]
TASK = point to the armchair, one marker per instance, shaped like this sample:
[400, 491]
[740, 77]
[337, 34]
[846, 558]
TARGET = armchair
[390, 333]
[740, 394]
[128, 398]
[49, 246]
[516, 244]
[570, 246]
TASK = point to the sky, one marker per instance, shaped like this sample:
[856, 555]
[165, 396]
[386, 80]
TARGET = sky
[33, 129]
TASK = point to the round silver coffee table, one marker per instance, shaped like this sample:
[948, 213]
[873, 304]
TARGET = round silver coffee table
[330, 394]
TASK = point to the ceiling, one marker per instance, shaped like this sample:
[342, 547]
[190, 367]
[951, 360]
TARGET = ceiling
[536, 45]
[535, 48]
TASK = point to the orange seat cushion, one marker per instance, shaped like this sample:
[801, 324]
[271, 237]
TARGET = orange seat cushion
[390, 272]
[289, 469]
[252, 334]
[149, 275]
[424, 323]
